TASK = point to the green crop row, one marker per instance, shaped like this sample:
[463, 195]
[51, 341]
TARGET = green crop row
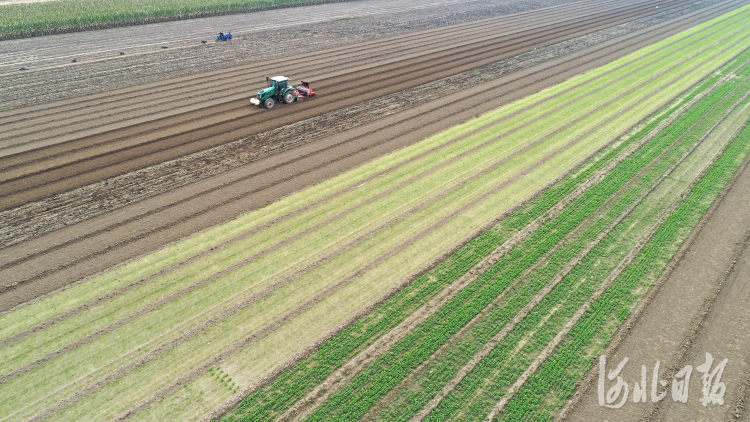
[366, 388]
[733, 64]
[502, 366]
[293, 384]
[573, 357]
[59, 16]
[436, 375]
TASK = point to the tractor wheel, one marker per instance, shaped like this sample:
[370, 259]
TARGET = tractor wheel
[289, 97]
[268, 103]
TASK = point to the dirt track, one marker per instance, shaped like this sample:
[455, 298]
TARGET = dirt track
[54, 260]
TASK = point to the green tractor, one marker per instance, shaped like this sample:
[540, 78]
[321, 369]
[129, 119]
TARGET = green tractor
[278, 89]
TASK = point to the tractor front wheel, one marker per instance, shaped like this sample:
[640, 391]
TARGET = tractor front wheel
[268, 103]
[289, 97]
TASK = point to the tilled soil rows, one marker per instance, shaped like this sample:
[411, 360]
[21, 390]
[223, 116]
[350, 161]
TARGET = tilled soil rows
[100, 67]
[36, 218]
[71, 159]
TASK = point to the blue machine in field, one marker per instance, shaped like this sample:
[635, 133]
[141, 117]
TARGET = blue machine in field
[223, 37]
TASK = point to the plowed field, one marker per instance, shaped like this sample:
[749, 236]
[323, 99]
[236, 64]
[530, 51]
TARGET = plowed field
[58, 147]
[218, 315]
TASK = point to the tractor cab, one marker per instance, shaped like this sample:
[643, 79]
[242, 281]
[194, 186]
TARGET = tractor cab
[278, 83]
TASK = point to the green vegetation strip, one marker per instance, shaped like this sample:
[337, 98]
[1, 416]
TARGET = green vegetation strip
[511, 358]
[421, 388]
[35, 19]
[353, 400]
[293, 384]
[593, 331]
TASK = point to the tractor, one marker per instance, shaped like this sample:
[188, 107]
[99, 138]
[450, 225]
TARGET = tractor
[224, 37]
[278, 90]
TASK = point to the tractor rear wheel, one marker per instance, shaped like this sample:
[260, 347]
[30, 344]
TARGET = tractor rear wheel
[268, 103]
[289, 97]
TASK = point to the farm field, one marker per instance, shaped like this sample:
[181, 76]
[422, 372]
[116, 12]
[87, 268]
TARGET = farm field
[77, 233]
[495, 310]
[466, 257]
[61, 148]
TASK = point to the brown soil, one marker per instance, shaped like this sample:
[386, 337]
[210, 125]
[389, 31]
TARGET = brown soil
[83, 249]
